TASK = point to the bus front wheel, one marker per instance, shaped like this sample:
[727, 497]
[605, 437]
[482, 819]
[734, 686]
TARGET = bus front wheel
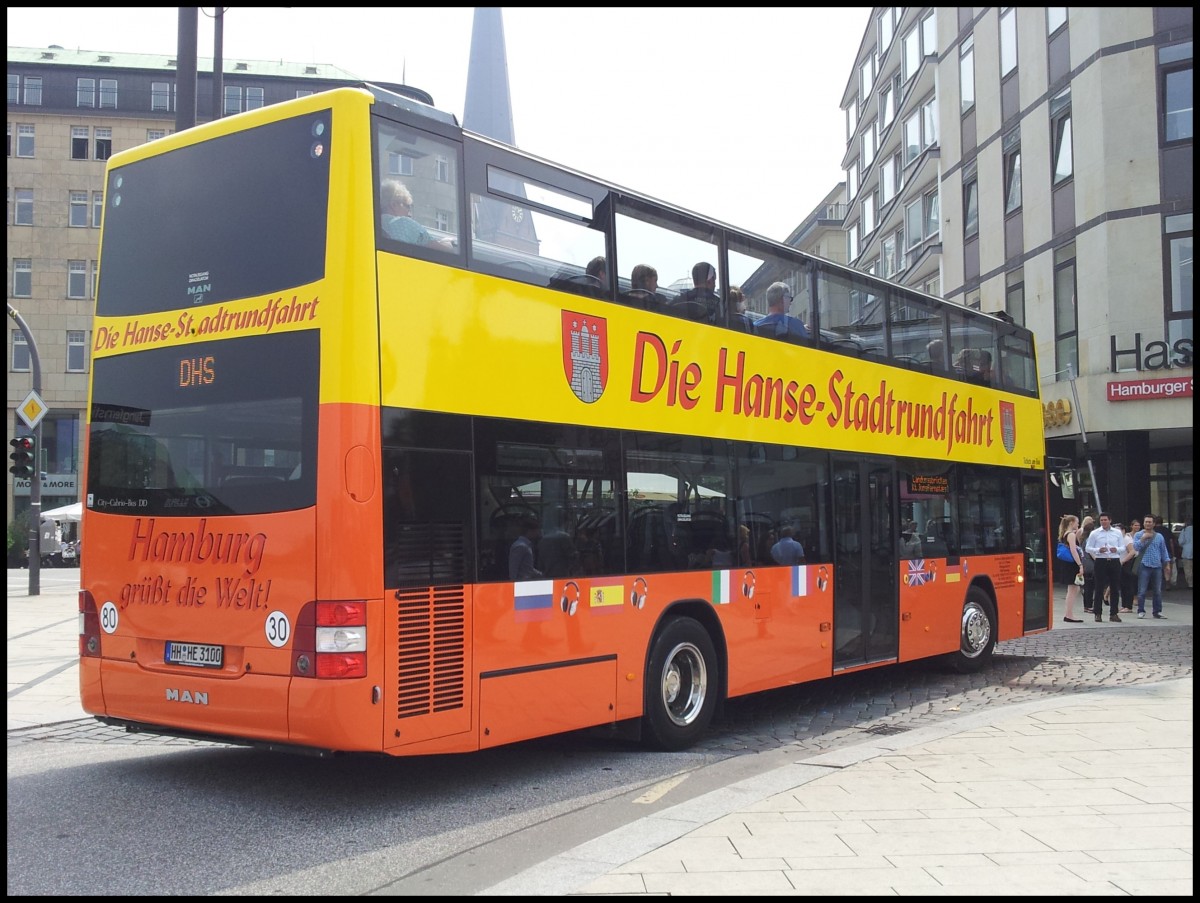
[977, 633]
[681, 685]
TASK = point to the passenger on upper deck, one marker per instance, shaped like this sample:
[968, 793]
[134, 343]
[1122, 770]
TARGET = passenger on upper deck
[643, 287]
[700, 302]
[983, 368]
[936, 350]
[738, 319]
[396, 202]
[597, 268]
[778, 323]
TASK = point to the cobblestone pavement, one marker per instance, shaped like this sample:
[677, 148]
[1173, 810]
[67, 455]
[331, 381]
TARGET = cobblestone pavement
[830, 713]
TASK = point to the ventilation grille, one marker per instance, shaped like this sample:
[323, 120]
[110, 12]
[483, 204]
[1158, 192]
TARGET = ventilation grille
[430, 650]
[427, 554]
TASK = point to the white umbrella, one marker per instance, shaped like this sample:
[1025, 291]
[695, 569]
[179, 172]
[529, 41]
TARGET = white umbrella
[69, 513]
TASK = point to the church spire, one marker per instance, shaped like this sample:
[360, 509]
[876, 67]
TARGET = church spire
[488, 107]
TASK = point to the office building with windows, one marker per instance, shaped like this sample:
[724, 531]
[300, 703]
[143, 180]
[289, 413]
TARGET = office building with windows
[1036, 162]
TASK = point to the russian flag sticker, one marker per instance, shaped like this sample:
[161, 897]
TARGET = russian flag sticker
[533, 600]
[800, 580]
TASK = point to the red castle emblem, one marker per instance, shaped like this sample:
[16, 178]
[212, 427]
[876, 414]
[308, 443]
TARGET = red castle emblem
[585, 354]
[1008, 425]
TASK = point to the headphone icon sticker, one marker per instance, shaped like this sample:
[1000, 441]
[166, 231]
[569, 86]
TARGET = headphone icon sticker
[570, 598]
[637, 596]
[748, 581]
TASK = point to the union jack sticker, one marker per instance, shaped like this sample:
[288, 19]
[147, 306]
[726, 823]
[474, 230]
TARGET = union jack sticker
[585, 354]
[917, 574]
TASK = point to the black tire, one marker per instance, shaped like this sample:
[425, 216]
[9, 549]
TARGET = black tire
[681, 685]
[976, 634]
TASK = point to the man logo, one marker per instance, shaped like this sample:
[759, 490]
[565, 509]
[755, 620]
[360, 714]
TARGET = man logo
[176, 695]
[585, 354]
[1008, 425]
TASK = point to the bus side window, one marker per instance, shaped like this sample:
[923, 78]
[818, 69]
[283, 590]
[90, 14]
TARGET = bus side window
[418, 194]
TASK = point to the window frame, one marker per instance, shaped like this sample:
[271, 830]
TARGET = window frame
[162, 96]
[23, 207]
[77, 271]
[933, 214]
[85, 92]
[1175, 60]
[1061, 138]
[77, 209]
[232, 93]
[870, 215]
[81, 142]
[103, 142]
[914, 232]
[1066, 339]
[108, 93]
[1011, 157]
[970, 205]
[27, 139]
[1014, 295]
[20, 349]
[868, 146]
[1177, 298]
[22, 277]
[966, 75]
[1008, 41]
[33, 91]
[76, 348]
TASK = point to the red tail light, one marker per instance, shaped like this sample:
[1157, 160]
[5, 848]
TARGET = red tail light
[341, 614]
[337, 666]
[89, 626]
[331, 642]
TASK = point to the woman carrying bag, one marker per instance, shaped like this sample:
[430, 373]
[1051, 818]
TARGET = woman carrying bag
[1071, 578]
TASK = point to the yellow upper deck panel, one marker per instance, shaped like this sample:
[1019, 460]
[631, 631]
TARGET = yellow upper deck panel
[473, 344]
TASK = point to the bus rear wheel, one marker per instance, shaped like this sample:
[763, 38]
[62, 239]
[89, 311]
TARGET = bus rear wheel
[977, 633]
[681, 685]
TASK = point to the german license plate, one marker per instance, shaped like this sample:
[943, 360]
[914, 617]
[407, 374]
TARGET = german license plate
[197, 655]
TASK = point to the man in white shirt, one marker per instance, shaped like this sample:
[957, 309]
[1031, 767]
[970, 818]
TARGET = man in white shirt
[1109, 547]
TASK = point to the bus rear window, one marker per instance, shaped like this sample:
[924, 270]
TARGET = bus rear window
[238, 216]
[206, 429]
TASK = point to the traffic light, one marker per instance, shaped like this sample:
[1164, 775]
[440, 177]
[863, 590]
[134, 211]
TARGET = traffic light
[22, 457]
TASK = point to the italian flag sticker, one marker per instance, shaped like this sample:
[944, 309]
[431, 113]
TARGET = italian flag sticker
[720, 588]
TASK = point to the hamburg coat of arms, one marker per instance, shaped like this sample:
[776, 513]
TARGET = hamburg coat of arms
[1008, 425]
[585, 354]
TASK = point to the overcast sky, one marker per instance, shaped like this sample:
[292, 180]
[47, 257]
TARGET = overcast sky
[733, 113]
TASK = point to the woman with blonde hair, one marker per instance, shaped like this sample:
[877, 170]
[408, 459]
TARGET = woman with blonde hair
[1068, 532]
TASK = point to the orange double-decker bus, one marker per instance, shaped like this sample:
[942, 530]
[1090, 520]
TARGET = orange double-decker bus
[402, 440]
